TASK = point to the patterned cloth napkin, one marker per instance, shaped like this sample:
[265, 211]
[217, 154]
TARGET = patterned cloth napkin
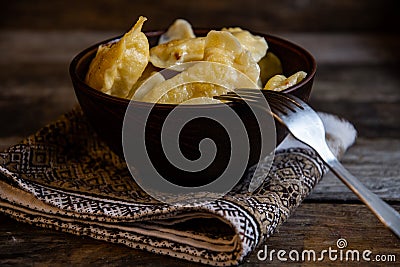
[65, 178]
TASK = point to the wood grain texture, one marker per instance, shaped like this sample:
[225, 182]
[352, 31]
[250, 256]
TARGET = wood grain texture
[312, 227]
[376, 162]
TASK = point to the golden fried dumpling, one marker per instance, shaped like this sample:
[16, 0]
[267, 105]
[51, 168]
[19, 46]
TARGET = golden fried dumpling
[257, 45]
[203, 92]
[118, 65]
[177, 51]
[148, 72]
[280, 82]
[201, 79]
[180, 29]
[224, 48]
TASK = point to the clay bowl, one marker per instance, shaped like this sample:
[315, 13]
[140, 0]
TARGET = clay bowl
[106, 114]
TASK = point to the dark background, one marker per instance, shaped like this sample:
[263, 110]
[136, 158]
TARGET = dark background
[263, 16]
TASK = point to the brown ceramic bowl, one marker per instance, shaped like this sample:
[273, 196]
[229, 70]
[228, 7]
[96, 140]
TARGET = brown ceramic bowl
[106, 113]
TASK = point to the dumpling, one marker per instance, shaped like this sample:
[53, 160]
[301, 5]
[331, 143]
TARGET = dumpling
[257, 45]
[223, 47]
[118, 65]
[177, 51]
[148, 72]
[280, 82]
[180, 29]
[187, 92]
[200, 79]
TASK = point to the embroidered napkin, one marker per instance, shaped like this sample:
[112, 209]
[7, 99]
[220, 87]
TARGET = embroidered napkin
[65, 178]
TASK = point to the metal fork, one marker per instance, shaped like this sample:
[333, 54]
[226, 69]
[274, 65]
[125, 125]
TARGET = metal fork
[306, 126]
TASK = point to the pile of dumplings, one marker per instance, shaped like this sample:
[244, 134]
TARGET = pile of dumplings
[122, 67]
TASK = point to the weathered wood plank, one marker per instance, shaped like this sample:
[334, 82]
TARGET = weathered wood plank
[363, 83]
[337, 48]
[371, 119]
[319, 226]
[345, 47]
[376, 162]
[312, 227]
[47, 46]
[31, 96]
[367, 15]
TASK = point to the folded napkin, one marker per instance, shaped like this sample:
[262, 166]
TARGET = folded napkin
[65, 178]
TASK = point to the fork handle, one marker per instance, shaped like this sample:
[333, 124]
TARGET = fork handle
[385, 213]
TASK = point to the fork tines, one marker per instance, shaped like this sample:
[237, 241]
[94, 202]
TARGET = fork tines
[277, 101]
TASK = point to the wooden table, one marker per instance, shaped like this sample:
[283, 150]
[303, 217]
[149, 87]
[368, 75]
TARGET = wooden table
[357, 79]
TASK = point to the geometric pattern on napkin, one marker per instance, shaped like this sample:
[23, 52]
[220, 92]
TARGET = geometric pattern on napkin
[65, 178]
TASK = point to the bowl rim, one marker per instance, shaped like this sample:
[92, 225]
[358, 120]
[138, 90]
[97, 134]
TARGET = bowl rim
[89, 90]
